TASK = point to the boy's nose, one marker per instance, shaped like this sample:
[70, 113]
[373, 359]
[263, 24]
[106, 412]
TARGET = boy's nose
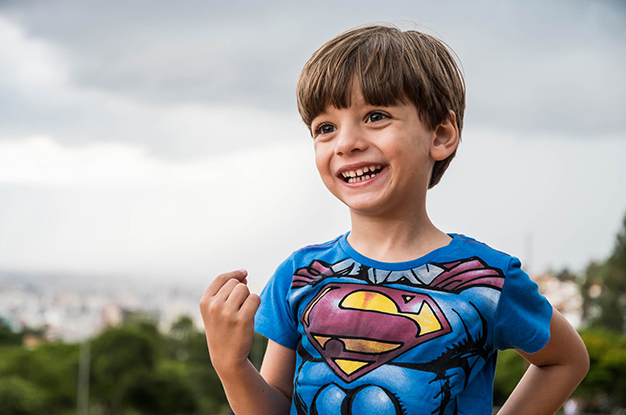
[350, 139]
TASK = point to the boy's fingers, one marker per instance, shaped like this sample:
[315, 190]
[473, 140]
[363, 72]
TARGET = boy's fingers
[220, 280]
[225, 292]
[250, 306]
[237, 296]
[215, 301]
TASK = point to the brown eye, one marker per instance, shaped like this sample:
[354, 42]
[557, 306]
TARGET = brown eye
[325, 129]
[376, 116]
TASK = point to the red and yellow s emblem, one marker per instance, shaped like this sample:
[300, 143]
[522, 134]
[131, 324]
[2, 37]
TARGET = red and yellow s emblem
[357, 328]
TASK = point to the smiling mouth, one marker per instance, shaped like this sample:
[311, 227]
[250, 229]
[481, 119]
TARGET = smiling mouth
[358, 175]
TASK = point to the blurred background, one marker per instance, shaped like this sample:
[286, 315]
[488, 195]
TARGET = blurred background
[148, 146]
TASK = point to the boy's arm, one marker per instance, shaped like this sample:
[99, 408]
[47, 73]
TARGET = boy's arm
[228, 309]
[268, 392]
[554, 372]
[279, 365]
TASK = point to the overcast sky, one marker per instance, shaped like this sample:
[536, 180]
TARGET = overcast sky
[160, 140]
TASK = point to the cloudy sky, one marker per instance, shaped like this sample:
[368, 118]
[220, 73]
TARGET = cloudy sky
[159, 140]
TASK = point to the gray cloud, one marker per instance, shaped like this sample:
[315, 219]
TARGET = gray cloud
[531, 66]
[191, 51]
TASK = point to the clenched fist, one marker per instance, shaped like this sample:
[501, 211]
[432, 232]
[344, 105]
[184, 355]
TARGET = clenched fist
[228, 309]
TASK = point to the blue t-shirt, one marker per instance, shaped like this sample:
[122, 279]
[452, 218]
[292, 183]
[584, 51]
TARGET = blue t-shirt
[416, 337]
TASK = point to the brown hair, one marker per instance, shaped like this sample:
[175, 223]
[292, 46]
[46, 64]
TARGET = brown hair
[390, 66]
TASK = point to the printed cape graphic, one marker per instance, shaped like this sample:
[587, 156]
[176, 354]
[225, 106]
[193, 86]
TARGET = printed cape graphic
[397, 321]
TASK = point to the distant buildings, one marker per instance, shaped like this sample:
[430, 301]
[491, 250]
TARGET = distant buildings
[563, 294]
[73, 309]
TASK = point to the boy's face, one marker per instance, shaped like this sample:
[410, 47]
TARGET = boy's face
[376, 160]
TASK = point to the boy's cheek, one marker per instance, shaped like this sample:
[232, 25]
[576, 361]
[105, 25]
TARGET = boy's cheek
[327, 177]
[322, 164]
[328, 182]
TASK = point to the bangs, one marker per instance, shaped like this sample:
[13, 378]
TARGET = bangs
[381, 61]
[328, 78]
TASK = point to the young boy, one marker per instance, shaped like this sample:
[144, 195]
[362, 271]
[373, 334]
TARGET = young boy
[396, 316]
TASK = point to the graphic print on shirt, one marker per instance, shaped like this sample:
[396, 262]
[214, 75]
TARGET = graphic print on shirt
[372, 324]
[397, 321]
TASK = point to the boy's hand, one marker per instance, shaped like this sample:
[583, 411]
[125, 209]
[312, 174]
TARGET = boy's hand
[228, 310]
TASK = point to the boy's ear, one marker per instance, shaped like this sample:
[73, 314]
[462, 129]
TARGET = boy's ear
[445, 138]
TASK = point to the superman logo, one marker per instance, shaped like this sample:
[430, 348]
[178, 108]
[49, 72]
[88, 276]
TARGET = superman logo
[357, 328]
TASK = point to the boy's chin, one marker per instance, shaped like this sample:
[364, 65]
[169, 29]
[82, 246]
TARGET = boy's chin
[366, 207]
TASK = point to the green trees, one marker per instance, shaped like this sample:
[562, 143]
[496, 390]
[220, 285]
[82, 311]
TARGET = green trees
[604, 289]
[163, 391]
[134, 369]
[118, 354]
[605, 383]
[186, 350]
[44, 377]
[21, 397]
[7, 336]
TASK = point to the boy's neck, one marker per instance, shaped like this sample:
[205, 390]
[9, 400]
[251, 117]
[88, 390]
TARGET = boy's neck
[395, 239]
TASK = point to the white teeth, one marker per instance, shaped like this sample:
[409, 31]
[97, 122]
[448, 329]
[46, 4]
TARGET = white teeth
[360, 178]
[360, 174]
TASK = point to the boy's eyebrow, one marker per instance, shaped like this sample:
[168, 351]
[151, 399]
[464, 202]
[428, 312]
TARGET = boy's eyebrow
[393, 105]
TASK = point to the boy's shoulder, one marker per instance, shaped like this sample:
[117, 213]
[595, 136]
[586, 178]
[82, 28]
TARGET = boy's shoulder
[475, 244]
[468, 246]
[321, 246]
[317, 250]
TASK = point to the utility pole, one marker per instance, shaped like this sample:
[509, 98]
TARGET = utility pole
[82, 401]
[528, 255]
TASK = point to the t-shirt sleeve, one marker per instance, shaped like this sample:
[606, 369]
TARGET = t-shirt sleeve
[523, 315]
[274, 318]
